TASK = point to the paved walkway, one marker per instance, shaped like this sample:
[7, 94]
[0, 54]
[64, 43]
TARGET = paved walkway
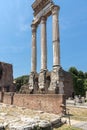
[78, 124]
[75, 123]
[81, 124]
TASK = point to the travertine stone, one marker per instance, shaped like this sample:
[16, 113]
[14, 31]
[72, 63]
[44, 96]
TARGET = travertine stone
[31, 81]
[42, 80]
[39, 5]
[20, 118]
[56, 41]
[54, 83]
[34, 49]
[43, 44]
[42, 75]
[57, 81]
[54, 80]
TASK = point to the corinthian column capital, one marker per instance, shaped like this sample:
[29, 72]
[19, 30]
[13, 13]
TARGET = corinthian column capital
[33, 26]
[43, 20]
[55, 10]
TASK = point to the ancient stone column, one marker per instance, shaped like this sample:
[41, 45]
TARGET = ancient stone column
[56, 39]
[34, 49]
[43, 44]
[55, 74]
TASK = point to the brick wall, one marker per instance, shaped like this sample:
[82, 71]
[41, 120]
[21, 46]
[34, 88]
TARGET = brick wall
[68, 84]
[47, 103]
[6, 81]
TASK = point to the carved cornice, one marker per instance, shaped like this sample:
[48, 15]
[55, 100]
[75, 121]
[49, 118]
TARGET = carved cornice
[38, 5]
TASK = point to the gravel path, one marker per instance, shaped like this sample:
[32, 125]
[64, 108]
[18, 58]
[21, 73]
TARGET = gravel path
[81, 124]
[77, 124]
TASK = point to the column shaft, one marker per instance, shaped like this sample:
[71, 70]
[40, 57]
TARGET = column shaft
[34, 49]
[43, 44]
[56, 41]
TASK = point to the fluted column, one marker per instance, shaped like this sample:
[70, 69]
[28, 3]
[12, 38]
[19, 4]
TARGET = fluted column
[43, 44]
[34, 49]
[56, 39]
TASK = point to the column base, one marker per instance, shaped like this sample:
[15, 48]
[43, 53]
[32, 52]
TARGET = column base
[42, 81]
[57, 79]
[33, 82]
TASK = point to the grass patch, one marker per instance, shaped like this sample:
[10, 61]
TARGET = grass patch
[79, 114]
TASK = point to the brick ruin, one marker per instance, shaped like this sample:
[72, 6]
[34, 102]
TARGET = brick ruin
[6, 77]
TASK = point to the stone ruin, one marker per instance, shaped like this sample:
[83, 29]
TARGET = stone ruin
[56, 81]
[6, 77]
[19, 118]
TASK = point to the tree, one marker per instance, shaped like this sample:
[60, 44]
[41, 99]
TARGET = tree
[85, 75]
[80, 87]
[79, 83]
[73, 70]
[85, 85]
[20, 81]
[81, 74]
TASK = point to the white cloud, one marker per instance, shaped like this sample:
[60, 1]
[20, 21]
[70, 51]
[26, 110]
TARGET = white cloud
[24, 27]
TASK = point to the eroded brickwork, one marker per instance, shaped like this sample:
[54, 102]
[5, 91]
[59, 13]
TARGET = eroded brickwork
[6, 78]
[51, 103]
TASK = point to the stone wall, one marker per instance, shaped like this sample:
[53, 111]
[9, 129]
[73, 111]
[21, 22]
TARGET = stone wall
[6, 80]
[61, 75]
[68, 84]
[47, 103]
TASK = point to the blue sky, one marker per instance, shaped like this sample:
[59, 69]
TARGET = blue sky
[15, 35]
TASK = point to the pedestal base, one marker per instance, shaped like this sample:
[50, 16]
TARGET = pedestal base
[33, 82]
[57, 79]
[42, 81]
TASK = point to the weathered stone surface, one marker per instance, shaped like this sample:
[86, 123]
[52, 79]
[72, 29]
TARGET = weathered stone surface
[39, 6]
[2, 127]
[17, 118]
[34, 49]
[24, 89]
[42, 80]
[32, 81]
[59, 81]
